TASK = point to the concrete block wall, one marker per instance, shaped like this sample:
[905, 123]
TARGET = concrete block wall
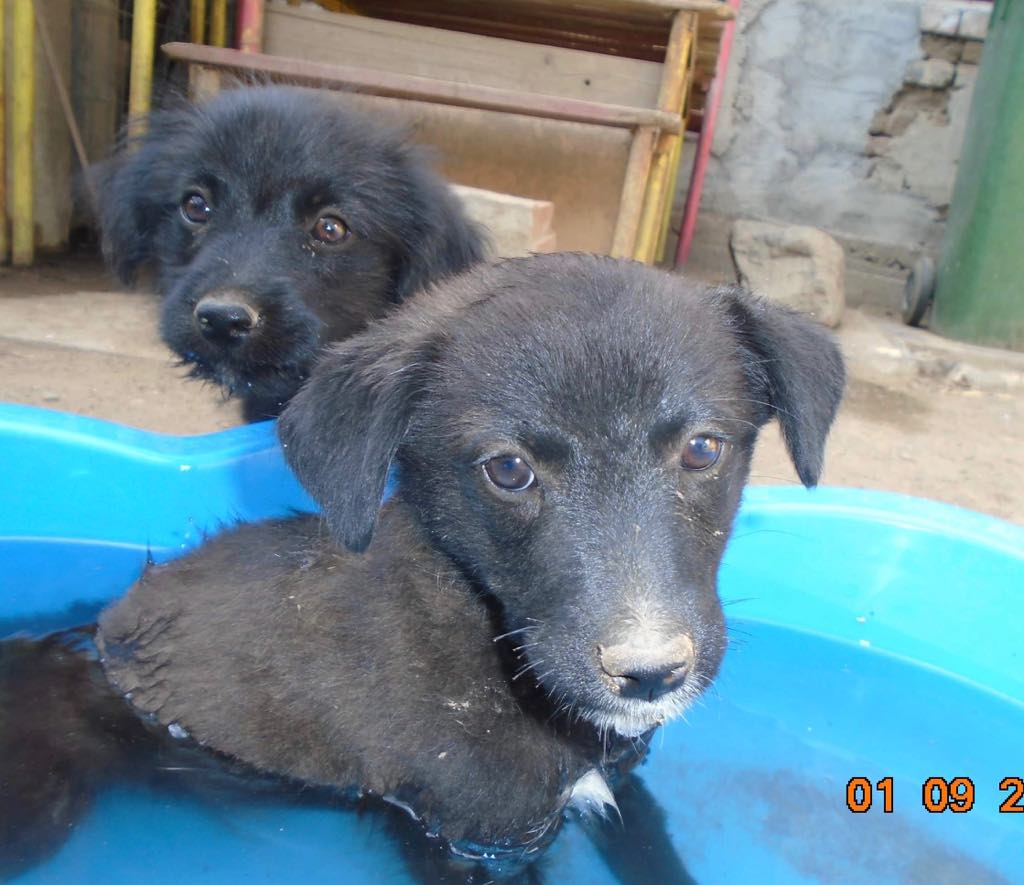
[848, 117]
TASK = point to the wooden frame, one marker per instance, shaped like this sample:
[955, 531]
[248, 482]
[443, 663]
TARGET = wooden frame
[655, 126]
[351, 79]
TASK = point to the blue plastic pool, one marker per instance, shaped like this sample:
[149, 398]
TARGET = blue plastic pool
[875, 636]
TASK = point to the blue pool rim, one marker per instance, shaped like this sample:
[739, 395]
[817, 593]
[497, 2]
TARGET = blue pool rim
[27, 425]
[168, 456]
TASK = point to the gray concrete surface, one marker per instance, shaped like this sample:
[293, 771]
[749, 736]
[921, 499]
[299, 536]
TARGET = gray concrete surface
[848, 117]
[806, 79]
[923, 415]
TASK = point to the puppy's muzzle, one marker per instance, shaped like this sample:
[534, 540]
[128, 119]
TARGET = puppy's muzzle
[646, 669]
[226, 318]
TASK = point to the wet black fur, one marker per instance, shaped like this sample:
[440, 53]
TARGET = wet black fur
[61, 730]
[66, 734]
[381, 666]
[271, 160]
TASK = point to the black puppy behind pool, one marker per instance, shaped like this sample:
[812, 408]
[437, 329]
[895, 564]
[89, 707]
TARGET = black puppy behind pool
[275, 220]
[572, 436]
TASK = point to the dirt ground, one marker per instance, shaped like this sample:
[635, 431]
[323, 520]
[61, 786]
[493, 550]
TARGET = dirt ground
[922, 416]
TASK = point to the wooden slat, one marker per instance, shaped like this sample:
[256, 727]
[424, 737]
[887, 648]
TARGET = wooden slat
[646, 44]
[616, 27]
[634, 186]
[313, 34]
[577, 167]
[638, 10]
[424, 89]
[203, 83]
[706, 7]
[562, 26]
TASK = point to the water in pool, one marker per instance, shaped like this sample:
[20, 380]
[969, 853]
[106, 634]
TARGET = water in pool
[752, 787]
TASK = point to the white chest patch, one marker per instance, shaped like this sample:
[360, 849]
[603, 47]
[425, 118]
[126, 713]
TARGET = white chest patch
[591, 795]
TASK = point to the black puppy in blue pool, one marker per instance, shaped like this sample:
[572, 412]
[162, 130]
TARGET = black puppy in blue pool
[494, 646]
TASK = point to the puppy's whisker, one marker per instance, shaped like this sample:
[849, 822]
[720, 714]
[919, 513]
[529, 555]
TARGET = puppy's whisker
[726, 420]
[759, 402]
[526, 669]
[512, 633]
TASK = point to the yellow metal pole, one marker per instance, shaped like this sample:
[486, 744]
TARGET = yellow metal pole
[140, 90]
[197, 21]
[22, 107]
[677, 151]
[3, 133]
[647, 234]
[675, 84]
[670, 192]
[219, 23]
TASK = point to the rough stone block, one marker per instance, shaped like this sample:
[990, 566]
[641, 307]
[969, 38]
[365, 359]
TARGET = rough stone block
[946, 48]
[877, 145]
[974, 21]
[888, 175]
[966, 75]
[913, 104]
[941, 17]
[967, 19]
[801, 267]
[922, 160]
[971, 53]
[516, 225]
[880, 123]
[931, 73]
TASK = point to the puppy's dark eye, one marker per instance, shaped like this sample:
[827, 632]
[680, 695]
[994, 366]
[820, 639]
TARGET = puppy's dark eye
[195, 209]
[330, 229]
[701, 452]
[510, 472]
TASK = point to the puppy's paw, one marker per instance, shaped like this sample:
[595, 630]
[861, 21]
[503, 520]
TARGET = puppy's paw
[591, 795]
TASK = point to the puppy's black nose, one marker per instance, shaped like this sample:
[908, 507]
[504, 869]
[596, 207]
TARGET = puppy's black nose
[647, 670]
[224, 319]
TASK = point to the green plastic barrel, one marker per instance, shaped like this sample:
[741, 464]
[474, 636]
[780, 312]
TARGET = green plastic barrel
[980, 293]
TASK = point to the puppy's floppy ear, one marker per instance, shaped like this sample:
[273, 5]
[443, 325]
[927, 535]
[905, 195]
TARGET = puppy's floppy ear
[125, 225]
[341, 430]
[441, 239]
[796, 368]
[131, 193]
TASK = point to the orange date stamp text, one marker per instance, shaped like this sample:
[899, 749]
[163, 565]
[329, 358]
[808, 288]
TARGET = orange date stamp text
[937, 795]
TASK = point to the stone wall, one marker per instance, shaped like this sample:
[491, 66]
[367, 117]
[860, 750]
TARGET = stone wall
[847, 117]
[914, 141]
